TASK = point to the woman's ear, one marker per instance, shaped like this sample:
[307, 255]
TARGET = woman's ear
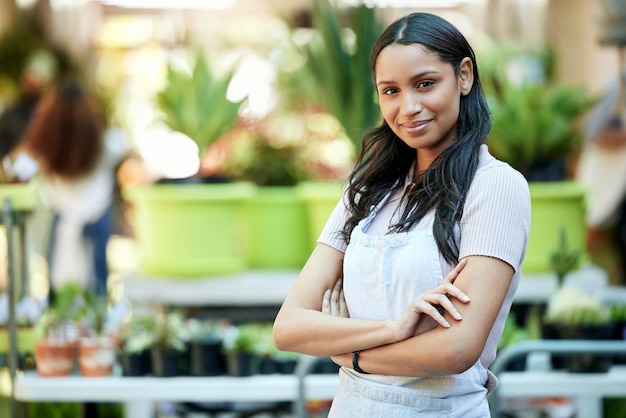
[466, 76]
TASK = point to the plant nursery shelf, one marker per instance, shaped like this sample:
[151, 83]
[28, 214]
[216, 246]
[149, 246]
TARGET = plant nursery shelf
[269, 288]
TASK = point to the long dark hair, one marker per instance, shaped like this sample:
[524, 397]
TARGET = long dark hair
[66, 134]
[385, 161]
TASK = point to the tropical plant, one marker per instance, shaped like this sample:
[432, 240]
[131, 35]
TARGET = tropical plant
[337, 58]
[535, 118]
[194, 102]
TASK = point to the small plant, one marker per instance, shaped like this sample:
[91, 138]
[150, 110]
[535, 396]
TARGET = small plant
[169, 332]
[572, 306]
[242, 338]
[27, 311]
[206, 330]
[61, 317]
[138, 333]
[563, 259]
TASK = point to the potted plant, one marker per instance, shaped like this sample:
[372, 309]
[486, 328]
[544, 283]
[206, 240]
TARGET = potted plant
[27, 311]
[167, 347]
[240, 346]
[205, 340]
[57, 332]
[136, 339]
[269, 155]
[536, 130]
[573, 313]
[97, 345]
[192, 229]
[334, 78]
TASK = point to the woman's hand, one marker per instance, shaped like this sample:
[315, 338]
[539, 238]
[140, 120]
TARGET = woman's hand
[334, 302]
[432, 303]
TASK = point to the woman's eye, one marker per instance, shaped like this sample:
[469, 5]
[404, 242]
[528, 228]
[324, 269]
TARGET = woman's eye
[389, 91]
[424, 84]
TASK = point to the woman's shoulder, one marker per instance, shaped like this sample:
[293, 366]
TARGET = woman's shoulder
[489, 167]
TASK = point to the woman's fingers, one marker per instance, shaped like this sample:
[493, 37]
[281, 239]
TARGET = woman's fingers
[451, 277]
[334, 302]
[326, 302]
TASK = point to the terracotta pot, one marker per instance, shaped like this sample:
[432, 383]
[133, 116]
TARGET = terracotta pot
[96, 356]
[54, 357]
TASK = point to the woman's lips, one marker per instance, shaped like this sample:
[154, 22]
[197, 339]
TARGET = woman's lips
[416, 127]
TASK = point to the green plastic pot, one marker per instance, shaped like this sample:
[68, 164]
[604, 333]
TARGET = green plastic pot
[320, 199]
[23, 196]
[555, 206]
[190, 230]
[277, 228]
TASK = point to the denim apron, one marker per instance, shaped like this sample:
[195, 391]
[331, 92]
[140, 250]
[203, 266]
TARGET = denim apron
[382, 274]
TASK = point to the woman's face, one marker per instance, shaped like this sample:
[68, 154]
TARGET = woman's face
[419, 97]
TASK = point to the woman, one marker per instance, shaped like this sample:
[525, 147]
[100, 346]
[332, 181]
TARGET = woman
[76, 153]
[414, 273]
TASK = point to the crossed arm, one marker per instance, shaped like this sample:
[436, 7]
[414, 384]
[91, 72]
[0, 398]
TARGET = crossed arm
[471, 297]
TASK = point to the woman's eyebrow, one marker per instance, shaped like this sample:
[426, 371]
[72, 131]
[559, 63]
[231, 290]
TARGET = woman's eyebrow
[416, 76]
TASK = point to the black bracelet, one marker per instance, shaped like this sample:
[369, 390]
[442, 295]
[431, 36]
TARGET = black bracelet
[355, 363]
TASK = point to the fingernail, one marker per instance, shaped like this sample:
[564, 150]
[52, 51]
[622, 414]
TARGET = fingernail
[457, 316]
[446, 324]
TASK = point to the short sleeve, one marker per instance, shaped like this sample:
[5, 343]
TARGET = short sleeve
[496, 215]
[331, 233]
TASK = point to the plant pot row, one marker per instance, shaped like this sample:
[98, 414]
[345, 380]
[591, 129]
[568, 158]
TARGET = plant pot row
[201, 359]
[199, 230]
[89, 356]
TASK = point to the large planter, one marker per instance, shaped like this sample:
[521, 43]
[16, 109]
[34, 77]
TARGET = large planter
[277, 228]
[320, 199]
[555, 206]
[190, 230]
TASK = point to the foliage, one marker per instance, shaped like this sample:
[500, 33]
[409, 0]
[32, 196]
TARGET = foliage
[337, 58]
[244, 338]
[205, 329]
[27, 311]
[168, 332]
[138, 333]
[572, 306]
[265, 162]
[563, 259]
[288, 147]
[535, 118]
[66, 307]
[618, 312]
[195, 104]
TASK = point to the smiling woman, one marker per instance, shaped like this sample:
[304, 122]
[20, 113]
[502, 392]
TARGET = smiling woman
[424, 249]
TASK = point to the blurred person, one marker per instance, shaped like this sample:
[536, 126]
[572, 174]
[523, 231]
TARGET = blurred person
[603, 158]
[413, 276]
[77, 154]
[36, 77]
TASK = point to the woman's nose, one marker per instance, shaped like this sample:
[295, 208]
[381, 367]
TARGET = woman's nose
[411, 103]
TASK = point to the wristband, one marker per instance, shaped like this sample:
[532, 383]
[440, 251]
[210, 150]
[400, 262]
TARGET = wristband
[355, 363]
